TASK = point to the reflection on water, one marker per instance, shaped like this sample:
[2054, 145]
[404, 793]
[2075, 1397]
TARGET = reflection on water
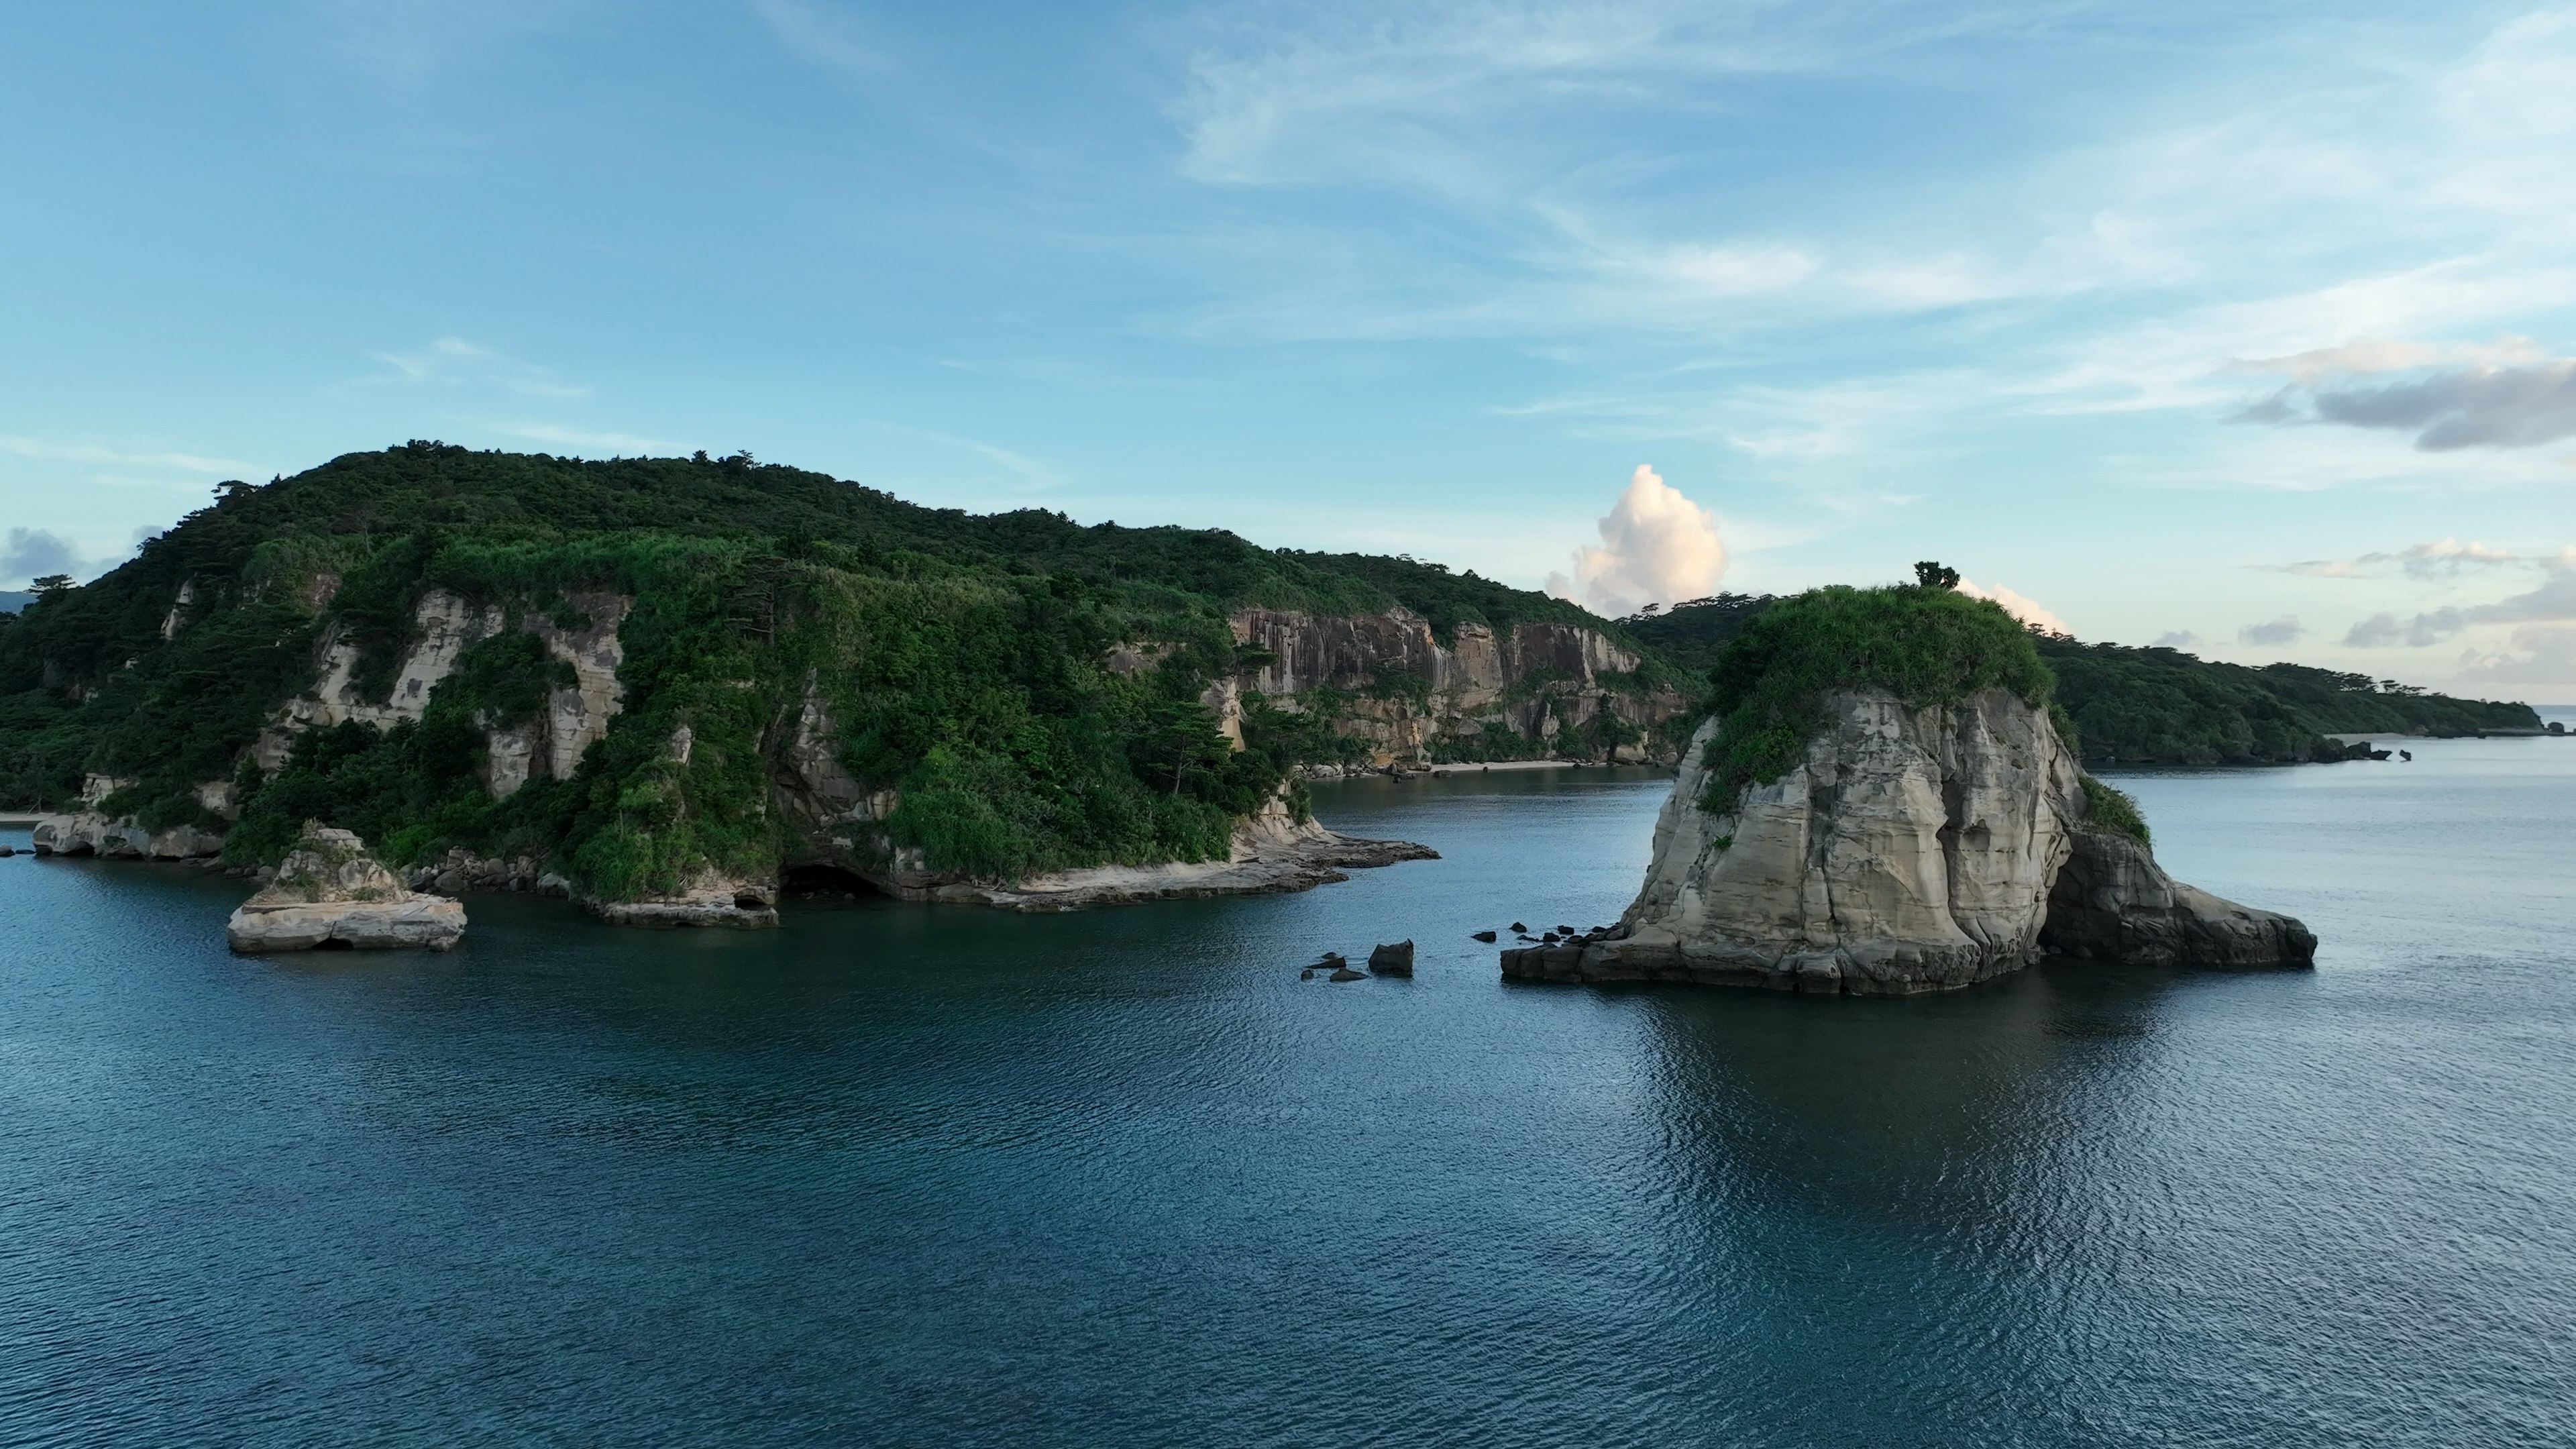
[899, 1174]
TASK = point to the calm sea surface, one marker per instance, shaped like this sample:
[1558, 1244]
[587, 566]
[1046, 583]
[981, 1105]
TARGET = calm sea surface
[899, 1175]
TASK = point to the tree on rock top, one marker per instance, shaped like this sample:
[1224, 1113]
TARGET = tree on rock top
[1926, 646]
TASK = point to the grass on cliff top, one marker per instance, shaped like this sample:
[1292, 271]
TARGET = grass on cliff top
[2114, 810]
[1926, 646]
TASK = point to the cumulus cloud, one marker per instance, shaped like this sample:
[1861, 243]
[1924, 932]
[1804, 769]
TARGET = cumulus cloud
[2020, 606]
[2554, 602]
[32, 553]
[2282, 630]
[1656, 546]
[2507, 394]
[2441, 559]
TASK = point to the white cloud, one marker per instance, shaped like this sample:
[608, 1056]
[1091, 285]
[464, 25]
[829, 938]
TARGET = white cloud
[1656, 547]
[43, 451]
[623, 443]
[453, 362]
[2547, 657]
[2553, 602]
[2020, 606]
[2440, 559]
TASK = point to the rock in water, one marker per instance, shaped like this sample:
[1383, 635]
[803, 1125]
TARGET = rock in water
[1344, 973]
[329, 892]
[2112, 902]
[1485, 936]
[1909, 850]
[1395, 960]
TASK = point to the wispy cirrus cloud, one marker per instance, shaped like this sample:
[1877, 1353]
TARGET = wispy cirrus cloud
[585, 438]
[2441, 559]
[53, 452]
[832, 35]
[453, 362]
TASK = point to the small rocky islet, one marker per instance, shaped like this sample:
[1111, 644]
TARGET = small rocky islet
[330, 893]
[1889, 807]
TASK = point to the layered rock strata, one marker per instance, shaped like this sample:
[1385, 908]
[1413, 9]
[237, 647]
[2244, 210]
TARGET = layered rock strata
[1911, 850]
[1535, 682]
[329, 892]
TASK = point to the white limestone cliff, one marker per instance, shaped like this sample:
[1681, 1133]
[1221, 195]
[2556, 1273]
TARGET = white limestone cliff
[1910, 850]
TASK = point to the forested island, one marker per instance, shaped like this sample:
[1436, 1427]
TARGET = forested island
[2154, 705]
[675, 679]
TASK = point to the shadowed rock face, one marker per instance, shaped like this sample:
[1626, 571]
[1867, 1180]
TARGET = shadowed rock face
[1911, 850]
[329, 892]
[2112, 902]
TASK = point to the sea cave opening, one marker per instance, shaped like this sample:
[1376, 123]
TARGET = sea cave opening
[822, 884]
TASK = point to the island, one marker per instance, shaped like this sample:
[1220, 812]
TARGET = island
[1882, 802]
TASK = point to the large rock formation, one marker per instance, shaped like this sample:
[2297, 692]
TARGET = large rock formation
[329, 892]
[1910, 850]
[2112, 902]
[1537, 683]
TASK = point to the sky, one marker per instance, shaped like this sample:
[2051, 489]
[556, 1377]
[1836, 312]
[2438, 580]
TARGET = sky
[2244, 328]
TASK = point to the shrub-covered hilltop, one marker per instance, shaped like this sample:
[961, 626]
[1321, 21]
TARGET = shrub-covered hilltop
[643, 671]
[2129, 706]
[1927, 646]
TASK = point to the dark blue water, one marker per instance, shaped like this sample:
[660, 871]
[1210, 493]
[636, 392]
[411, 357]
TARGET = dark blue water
[904, 1175]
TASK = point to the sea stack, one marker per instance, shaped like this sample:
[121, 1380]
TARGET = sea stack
[330, 893]
[1835, 832]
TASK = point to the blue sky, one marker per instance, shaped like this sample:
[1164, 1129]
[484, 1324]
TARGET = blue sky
[2248, 324]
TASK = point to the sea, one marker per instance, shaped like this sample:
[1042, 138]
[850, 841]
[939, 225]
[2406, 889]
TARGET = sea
[907, 1175]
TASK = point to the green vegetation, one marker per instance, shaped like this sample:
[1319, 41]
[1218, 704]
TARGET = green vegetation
[2110, 808]
[2161, 706]
[964, 660]
[1927, 645]
[1691, 634]
[2127, 706]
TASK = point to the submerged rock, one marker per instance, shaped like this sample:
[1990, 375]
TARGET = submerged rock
[2112, 902]
[329, 892]
[1392, 960]
[1347, 974]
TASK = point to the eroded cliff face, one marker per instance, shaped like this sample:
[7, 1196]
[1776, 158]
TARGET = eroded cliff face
[1911, 850]
[1405, 696]
[575, 717]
